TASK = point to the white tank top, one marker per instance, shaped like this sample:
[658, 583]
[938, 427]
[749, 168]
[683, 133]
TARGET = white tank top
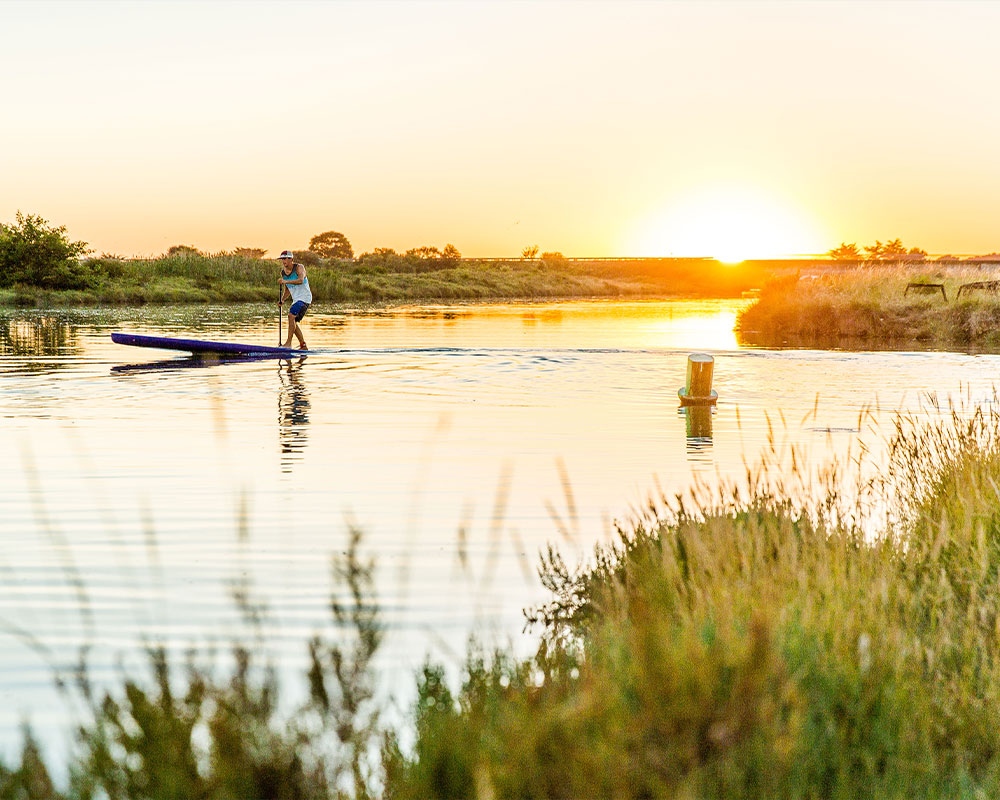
[298, 291]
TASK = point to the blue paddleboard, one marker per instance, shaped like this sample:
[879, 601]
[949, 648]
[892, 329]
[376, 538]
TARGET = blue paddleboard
[203, 347]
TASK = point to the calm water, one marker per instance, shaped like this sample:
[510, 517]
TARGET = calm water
[461, 440]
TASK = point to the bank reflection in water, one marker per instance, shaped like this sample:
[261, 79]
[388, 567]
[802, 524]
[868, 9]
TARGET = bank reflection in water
[293, 413]
[40, 336]
[698, 430]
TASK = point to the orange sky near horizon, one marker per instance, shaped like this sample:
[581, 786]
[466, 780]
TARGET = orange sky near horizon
[728, 129]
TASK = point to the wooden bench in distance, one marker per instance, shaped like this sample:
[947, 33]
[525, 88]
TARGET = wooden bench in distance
[986, 286]
[923, 287]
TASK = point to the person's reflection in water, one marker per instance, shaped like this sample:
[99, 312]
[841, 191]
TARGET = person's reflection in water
[698, 424]
[293, 413]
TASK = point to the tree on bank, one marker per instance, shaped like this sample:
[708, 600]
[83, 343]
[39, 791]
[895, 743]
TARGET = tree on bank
[424, 253]
[34, 253]
[845, 252]
[892, 250]
[183, 251]
[331, 244]
[249, 252]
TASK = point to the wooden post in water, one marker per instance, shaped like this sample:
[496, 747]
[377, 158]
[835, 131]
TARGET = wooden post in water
[698, 389]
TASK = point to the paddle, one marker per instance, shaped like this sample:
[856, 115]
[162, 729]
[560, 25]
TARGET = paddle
[280, 287]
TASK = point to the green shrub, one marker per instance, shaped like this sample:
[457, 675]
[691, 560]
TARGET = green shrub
[33, 253]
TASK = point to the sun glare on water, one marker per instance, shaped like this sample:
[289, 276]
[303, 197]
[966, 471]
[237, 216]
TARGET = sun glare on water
[731, 225]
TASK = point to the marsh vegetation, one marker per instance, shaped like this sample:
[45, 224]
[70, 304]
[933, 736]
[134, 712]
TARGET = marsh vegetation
[743, 644]
[873, 305]
[381, 279]
[41, 267]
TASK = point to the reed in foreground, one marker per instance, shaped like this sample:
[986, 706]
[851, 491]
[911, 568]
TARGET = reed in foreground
[755, 649]
[748, 647]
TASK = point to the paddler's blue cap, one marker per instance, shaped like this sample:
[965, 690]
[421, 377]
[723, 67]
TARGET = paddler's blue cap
[286, 254]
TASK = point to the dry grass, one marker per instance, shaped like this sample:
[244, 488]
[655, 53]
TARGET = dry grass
[870, 304]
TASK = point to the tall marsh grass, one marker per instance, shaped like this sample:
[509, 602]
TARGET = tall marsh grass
[747, 646]
[194, 278]
[871, 303]
[229, 278]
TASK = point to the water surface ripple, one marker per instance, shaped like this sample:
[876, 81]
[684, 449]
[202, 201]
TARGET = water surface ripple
[140, 486]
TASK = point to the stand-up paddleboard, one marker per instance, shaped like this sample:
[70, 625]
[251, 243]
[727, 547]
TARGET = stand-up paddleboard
[206, 348]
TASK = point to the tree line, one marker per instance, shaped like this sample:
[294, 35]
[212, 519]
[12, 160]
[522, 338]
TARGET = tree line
[892, 250]
[34, 252]
[335, 246]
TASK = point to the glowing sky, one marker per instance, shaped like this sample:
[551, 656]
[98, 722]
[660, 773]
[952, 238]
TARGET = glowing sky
[594, 128]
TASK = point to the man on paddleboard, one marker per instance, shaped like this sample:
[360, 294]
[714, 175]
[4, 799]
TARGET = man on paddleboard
[295, 285]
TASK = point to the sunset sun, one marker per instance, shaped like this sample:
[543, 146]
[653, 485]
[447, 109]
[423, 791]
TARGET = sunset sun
[730, 224]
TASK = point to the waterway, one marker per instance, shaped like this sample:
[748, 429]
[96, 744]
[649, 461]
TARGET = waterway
[139, 487]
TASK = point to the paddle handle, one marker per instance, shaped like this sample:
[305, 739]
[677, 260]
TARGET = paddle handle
[280, 287]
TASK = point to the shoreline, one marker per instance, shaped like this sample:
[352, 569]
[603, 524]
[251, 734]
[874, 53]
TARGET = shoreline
[887, 305]
[49, 301]
[233, 279]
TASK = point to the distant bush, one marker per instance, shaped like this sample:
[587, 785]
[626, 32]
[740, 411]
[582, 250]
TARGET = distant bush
[183, 251]
[417, 259]
[34, 253]
[108, 267]
[309, 258]
[426, 252]
[554, 259]
[331, 244]
[249, 252]
[450, 255]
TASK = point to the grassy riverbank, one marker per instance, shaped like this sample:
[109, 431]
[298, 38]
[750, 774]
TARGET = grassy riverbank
[743, 647]
[219, 279]
[872, 305]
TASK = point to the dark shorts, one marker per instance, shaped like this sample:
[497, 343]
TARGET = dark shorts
[299, 309]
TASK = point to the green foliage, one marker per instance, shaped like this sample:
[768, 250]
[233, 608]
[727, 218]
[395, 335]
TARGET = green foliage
[30, 780]
[198, 735]
[183, 251]
[384, 276]
[249, 252]
[415, 260]
[754, 650]
[450, 255]
[309, 258]
[425, 253]
[35, 254]
[331, 244]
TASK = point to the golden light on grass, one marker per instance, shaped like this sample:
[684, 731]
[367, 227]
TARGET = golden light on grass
[730, 223]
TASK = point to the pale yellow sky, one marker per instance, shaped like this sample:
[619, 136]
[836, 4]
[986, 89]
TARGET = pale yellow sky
[595, 128]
